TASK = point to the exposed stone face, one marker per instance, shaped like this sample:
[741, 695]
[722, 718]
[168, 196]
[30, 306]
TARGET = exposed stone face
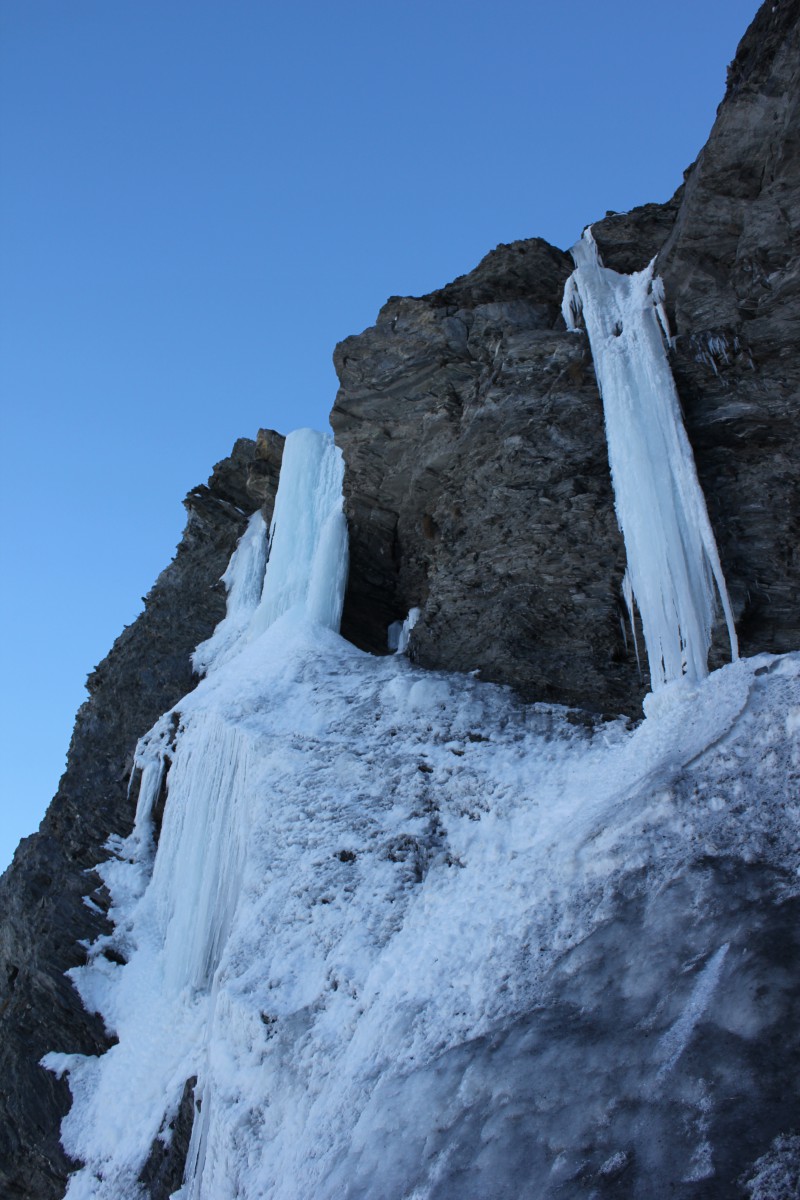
[629, 241]
[42, 913]
[264, 471]
[731, 268]
[162, 1174]
[477, 485]
[477, 482]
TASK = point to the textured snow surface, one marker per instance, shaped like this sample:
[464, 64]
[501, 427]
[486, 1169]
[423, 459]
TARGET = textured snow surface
[367, 879]
[673, 563]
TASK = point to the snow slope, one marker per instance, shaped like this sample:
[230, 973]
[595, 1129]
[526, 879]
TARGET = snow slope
[368, 876]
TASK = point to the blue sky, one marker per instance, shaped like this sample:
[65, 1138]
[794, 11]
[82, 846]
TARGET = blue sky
[199, 199]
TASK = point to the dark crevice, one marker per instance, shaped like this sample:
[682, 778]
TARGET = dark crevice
[163, 1172]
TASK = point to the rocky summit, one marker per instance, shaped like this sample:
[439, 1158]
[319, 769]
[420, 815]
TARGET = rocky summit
[477, 491]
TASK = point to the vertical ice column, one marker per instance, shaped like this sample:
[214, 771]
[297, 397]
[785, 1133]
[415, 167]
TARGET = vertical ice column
[673, 562]
[308, 558]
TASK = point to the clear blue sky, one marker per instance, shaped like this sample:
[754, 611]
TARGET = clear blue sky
[199, 199]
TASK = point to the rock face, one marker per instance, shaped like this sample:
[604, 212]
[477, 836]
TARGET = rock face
[478, 488]
[42, 913]
[731, 267]
[477, 482]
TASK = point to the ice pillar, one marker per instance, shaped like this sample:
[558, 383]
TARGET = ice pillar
[673, 562]
[308, 557]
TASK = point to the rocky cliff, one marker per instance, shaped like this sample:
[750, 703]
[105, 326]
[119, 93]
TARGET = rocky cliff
[477, 488]
[477, 480]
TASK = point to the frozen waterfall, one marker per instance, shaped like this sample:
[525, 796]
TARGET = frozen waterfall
[307, 563]
[673, 562]
[298, 968]
[174, 906]
[303, 563]
[244, 581]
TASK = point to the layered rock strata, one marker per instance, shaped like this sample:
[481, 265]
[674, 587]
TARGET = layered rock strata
[477, 485]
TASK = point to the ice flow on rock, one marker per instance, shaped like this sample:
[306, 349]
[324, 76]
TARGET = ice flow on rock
[303, 563]
[308, 556]
[673, 562]
[302, 960]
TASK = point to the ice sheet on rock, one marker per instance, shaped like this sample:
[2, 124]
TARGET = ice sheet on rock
[308, 556]
[197, 872]
[673, 563]
[244, 580]
[173, 933]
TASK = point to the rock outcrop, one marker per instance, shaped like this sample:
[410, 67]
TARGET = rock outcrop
[478, 488]
[731, 268]
[43, 916]
[477, 482]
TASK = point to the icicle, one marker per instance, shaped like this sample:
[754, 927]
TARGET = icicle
[627, 595]
[201, 851]
[673, 562]
[571, 305]
[150, 758]
[307, 565]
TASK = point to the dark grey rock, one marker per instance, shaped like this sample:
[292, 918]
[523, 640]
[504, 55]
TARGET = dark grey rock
[731, 268]
[265, 469]
[43, 917]
[628, 241]
[162, 1174]
[477, 485]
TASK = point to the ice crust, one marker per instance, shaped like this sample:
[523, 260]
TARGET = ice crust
[673, 562]
[366, 924]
